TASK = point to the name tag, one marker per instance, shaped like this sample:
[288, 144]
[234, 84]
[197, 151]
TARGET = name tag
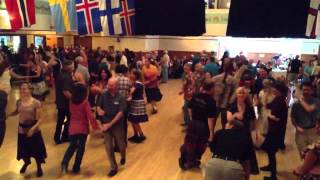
[116, 102]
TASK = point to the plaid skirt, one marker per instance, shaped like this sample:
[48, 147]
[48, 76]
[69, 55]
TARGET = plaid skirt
[137, 111]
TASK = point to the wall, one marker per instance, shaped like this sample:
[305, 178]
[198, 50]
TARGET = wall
[68, 41]
[51, 40]
[30, 39]
[216, 22]
[188, 44]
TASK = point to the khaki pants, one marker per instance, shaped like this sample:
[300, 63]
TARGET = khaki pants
[218, 169]
[115, 132]
[306, 138]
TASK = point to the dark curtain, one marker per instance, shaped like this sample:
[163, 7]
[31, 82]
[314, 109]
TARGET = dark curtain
[268, 18]
[170, 17]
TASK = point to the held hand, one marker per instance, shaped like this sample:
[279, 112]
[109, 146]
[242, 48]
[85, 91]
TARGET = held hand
[101, 112]
[30, 132]
[299, 129]
[106, 126]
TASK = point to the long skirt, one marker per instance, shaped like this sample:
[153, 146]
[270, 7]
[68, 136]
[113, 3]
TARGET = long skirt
[195, 142]
[31, 147]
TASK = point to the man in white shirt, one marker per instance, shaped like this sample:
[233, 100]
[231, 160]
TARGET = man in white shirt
[124, 60]
[82, 69]
[165, 60]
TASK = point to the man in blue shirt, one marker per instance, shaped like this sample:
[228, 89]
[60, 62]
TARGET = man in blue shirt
[305, 117]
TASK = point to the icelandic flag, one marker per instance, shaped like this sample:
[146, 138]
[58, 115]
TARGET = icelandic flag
[110, 17]
[64, 15]
[128, 17]
[88, 15]
[313, 22]
[21, 12]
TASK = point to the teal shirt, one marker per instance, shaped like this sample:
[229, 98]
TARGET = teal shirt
[212, 68]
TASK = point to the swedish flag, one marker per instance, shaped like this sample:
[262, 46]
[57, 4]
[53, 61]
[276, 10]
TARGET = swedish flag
[64, 15]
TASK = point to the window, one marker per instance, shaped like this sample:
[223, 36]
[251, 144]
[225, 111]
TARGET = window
[218, 4]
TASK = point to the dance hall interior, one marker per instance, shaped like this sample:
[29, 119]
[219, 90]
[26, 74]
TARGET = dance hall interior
[160, 89]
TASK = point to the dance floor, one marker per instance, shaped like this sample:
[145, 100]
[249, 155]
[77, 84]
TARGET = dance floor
[156, 158]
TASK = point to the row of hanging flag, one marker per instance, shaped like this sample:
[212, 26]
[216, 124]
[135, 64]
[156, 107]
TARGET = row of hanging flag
[119, 17]
[108, 17]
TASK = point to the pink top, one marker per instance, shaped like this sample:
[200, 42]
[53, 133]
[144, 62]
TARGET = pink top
[80, 116]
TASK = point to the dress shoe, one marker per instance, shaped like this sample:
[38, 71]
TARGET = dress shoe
[24, 168]
[265, 168]
[112, 172]
[123, 161]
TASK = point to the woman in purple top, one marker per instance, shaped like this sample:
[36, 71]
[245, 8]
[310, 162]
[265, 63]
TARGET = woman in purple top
[30, 141]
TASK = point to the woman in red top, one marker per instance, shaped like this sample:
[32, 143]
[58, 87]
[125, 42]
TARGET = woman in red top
[80, 111]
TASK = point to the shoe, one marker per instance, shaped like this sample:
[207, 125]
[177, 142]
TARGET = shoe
[183, 124]
[39, 173]
[24, 168]
[142, 138]
[133, 138]
[270, 178]
[265, 168]
[64, 168]
[112, 172]
[181, 164]
[154, 111]
[76, 169]
[123, 161]
[137, 140]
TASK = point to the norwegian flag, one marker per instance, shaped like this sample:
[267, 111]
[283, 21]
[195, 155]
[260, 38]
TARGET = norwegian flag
[88, 16]
[313, 23]
[127, 16]
[21, 12]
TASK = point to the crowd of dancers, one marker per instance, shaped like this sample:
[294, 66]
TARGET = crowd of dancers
[105, 89]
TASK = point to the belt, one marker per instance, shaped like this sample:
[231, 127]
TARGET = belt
[27, 125]
[226, 158]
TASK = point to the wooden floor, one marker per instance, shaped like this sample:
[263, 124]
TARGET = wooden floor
[155, 159]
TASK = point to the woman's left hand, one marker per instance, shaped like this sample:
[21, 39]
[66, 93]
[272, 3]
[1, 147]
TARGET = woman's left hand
[30, 132]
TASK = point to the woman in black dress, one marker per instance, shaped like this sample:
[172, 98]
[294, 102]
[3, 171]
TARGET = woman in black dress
[137, 109]
[30, 141]
[242, 110]
[277, 121]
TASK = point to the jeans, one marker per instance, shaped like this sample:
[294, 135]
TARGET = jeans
[77, 142]
[165, 73]
[186, 114]
[62, 115]
[116, 132]
[2, 131]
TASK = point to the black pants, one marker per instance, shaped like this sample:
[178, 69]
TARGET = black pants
[223, 112]
[77, 143]
[2, 131]
[272, 163]
[63, 120]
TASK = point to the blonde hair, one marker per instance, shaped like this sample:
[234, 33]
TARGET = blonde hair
[242, 89]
